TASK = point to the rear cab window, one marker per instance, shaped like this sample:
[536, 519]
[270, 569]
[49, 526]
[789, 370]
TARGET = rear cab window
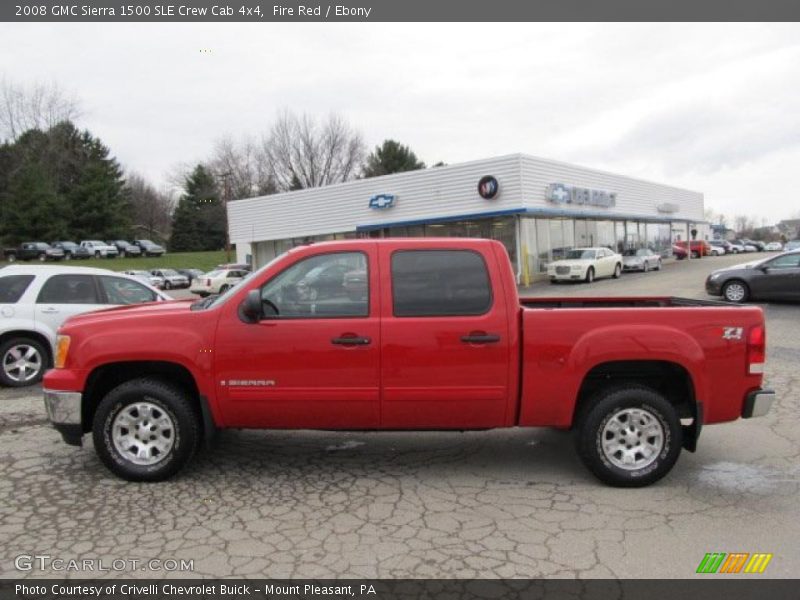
[440, 283]
[12, 287]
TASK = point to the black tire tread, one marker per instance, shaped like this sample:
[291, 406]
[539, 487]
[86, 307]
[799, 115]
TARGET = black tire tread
[596, 404]
[176, 400]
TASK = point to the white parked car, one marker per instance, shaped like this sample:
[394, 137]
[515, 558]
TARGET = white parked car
[773, 247]
[147, 277]
[585, 264]
[100, 249]
[35, 301]
[218, 281]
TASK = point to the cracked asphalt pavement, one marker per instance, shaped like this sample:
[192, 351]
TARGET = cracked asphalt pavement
[506, 503]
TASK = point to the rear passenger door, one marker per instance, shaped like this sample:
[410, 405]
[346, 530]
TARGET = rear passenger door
[65, 295]
[445, 340]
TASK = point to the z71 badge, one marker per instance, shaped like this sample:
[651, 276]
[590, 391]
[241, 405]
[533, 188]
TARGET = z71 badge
[732, 333]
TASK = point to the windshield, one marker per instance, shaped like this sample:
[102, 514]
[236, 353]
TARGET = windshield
[146, 243]
[580, 254]
[168, 272]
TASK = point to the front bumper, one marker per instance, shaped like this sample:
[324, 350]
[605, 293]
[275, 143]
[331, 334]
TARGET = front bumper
[714, 287]
[758, 403]
[64, 412]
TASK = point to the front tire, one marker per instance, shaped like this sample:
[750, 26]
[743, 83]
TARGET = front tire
[224, 288]
[23, 362]
[145, 430]
[589, 275]
[617, 271]
[97, 254]
[658, 265]
[736, 291]
[42, 257]
[68, 256]
[167, 285]
[629, 436]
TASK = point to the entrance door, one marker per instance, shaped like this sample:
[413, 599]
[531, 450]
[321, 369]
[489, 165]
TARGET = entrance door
[312, 361]
[445, 334]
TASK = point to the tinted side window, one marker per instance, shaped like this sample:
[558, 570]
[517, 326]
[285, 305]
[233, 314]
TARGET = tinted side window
[124, 291]
[68, 289]
[324, 286]
[12, 287]
[431, 283]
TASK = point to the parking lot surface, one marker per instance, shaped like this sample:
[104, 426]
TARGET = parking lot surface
[511, 503]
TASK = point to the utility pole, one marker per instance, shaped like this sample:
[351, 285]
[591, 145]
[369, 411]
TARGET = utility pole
[226, 196]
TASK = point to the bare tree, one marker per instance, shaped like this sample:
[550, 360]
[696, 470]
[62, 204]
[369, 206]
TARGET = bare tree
[38, 106]
[152, 210]
[242, 164]
[744, 225]
[302, 153]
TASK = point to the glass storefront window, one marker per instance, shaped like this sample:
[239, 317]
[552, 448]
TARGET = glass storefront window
[542, 244]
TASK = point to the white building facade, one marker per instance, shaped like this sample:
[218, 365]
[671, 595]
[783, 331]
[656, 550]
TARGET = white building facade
[538, 208]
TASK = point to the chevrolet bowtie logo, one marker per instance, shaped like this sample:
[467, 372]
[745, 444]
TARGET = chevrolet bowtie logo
[382, 201]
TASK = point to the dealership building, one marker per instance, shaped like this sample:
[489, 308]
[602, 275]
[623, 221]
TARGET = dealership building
[537, 208]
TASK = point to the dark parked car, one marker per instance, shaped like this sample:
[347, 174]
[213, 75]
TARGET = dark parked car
[72, 250]
[758, 245]
[33, 251]
[149, 248]
[190, 274]
[774, 278]
[126, 248]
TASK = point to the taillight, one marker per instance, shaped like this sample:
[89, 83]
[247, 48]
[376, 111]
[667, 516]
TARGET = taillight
[756, 350]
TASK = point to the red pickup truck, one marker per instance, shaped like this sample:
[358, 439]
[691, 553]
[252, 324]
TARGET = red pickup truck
[399, 335]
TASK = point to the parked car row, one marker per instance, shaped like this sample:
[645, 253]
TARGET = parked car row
[66, 250]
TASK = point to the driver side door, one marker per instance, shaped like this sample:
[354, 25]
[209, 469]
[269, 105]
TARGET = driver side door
[313, 359]
[779, 279]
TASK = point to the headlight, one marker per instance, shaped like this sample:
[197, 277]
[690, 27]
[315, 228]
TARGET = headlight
[62, 349]
[714, 276]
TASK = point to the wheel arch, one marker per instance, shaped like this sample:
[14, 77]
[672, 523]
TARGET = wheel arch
[28, 333]
[106, 377]
[671, 379]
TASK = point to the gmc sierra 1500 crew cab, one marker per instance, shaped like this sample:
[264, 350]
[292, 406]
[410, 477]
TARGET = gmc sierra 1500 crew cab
[403, 334]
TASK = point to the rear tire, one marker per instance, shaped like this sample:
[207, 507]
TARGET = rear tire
[11, 258]
[224, 288]
[145, 430]
[16, 373]
[629, 436]
[590, 275]
[167, 285]
[41, 257]
[97, 254]
[658, 265]
[68, 256]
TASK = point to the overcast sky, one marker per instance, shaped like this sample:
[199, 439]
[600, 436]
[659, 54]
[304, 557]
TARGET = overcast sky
[710, 107]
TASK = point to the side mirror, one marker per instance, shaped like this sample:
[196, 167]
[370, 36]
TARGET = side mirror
[250, 310]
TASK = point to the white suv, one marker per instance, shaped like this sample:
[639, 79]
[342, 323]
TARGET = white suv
[35, 301]
[97, 249]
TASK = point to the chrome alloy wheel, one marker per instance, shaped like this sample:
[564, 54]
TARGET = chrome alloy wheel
[22, 363]
[143, 433]
[632, 438]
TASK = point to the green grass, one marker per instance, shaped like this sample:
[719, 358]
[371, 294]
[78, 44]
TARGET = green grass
[205, 261]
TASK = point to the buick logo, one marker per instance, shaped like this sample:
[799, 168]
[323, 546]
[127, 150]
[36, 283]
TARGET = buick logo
[488, 187]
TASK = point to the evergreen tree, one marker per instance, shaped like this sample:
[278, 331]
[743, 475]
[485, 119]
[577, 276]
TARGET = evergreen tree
[391, 157]
[199, 220]
[31, 209]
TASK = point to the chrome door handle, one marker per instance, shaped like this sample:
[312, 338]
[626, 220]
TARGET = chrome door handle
[49, 310]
